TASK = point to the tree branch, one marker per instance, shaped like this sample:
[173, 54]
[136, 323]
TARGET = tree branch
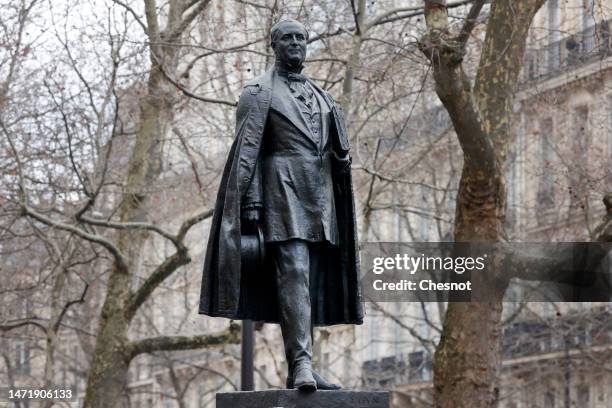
[501, 62]
[119, 258]
[470, 22]
[562, 262]
[398, 180]
[427, 344]
[454, 90]
[128, 225]
[190, 94]
[133, 13]
[191, 221]
[192, 161]
[212, 51]
[379, 21]
[174, 343]
[152, 24]
[184, 90]
[22, 189]
[15, 324]
[187, 20]
[165, 269]
[252, 4]
[68, 305]
[383, 16]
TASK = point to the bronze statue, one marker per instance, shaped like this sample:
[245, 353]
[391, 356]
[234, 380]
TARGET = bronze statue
[288, 174]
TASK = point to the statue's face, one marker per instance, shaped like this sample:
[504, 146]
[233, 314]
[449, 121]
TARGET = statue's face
[290, 44]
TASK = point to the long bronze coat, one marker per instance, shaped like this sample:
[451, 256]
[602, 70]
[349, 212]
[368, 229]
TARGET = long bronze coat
[226, 291]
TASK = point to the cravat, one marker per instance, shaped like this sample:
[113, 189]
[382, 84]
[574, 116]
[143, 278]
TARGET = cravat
[294, 77]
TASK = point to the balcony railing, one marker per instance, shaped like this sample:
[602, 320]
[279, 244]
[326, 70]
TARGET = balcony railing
[570, 52]
[395, 370]
[520, 339]
[531, 338]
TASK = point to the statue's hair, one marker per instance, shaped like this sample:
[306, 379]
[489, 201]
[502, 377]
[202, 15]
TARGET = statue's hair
[275, 28]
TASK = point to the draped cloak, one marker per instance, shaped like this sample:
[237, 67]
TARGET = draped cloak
[226, 291]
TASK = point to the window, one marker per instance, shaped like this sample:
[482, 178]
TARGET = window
[348, 358]
[512, 193]
[325, 364]
[22, 357]
[532, 67]
[601, 394]
[582, 395]
[580, 143]
[609, 133]
[373, 335]
[424, 219]
[546, 183]
[26, 307]
[398, 213]
[261, 378]
[549, 400]
[201, 395]
[588, 28]
[554, 23]
[143, 369]
[586, 12]
[581, 131]
[397, 331]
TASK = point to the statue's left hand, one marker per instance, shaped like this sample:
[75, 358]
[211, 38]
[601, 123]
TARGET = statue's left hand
[342, 164]
[250, 215]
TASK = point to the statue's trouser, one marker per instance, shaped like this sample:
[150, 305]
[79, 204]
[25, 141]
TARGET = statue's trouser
[294, 261]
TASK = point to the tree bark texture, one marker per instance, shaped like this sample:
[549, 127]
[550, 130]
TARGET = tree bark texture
[468, 357]
[113, 351]
[108, 372]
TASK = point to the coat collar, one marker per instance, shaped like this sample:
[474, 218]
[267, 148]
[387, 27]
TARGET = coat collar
[285, 103]
[268, 80]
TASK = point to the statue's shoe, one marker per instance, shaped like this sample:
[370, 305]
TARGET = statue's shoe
[303, 379]
[322, 383]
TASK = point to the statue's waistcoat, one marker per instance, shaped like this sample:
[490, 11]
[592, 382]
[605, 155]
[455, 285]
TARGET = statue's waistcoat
[298, 194]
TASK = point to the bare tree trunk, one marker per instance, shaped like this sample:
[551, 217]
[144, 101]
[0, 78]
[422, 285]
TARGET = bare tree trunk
[51, 334]
[108, 372]
[353, 62]
[112, 355]
[113, 351]
[468, 356]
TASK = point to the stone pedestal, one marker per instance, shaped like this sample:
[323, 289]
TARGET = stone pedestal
[297, 399]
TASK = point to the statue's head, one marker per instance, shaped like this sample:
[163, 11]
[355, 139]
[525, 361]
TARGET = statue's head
[288, 40]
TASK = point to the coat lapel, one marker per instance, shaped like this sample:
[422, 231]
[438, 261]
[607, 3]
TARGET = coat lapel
[325, 110]
[284, 103]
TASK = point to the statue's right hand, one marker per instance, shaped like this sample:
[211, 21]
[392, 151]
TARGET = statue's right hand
[252, 214]
[250, 217]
